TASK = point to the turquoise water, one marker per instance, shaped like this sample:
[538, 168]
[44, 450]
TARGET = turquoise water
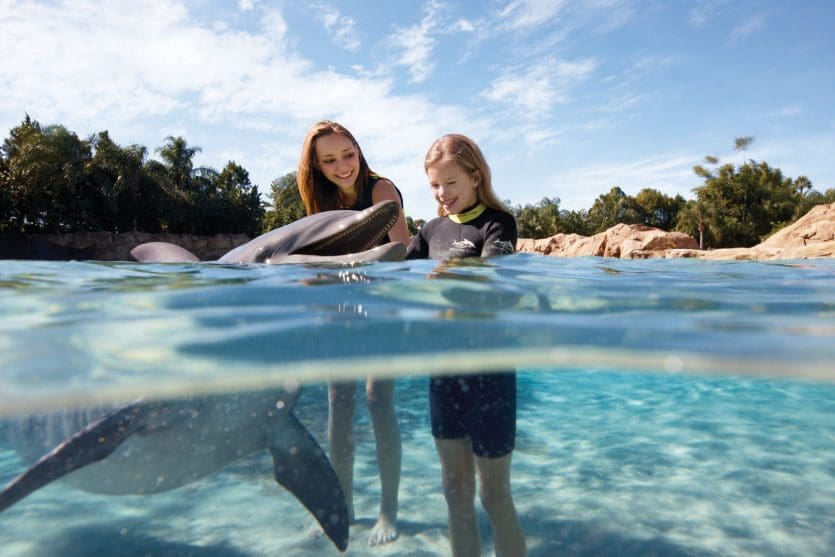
[665, 407]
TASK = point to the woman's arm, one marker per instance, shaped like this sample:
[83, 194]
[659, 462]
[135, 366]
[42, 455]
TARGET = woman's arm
[384, 190]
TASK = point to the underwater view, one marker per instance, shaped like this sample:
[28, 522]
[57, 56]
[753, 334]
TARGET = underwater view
[665, 407]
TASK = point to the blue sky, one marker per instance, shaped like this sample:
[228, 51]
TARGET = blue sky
[566, 98]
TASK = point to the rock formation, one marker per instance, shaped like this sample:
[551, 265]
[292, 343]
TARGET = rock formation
[813, 235]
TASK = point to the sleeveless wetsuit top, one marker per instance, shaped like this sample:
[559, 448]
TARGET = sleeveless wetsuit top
[367, 200]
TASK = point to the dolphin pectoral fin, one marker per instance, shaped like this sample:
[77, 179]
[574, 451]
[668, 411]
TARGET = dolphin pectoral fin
[93, 443]
[162, 252]
[302, 467]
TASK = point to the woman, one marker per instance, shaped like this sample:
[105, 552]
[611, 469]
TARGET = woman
[333, 174]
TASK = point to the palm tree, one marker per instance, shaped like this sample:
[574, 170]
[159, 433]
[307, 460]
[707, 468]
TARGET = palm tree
[802, 183]
[178, 156]
[742, 143]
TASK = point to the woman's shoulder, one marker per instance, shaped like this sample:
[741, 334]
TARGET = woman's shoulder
[383, 188]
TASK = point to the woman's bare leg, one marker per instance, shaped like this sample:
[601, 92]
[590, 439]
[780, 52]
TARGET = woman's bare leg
[341, 403]
[380, 399]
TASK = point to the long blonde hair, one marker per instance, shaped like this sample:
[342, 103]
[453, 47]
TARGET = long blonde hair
[466, 153]
[317, 192]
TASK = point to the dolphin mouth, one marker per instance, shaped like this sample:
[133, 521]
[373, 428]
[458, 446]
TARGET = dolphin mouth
[366, 231]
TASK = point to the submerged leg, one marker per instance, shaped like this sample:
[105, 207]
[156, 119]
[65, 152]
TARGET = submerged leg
[497, 500]
[341, 403]
[380, 398]
[458, 473]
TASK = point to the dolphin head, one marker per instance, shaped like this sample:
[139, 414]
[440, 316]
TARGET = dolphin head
[342, 236]
[322, 236]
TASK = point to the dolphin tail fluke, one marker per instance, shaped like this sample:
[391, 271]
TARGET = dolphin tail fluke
[302, 467]
[162, 252]
[93, 443]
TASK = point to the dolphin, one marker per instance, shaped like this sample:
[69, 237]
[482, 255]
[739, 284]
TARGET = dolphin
[144, 448]
[155, 446]
[342, 236]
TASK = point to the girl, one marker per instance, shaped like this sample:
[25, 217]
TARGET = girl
[473, 416]
[333, 174]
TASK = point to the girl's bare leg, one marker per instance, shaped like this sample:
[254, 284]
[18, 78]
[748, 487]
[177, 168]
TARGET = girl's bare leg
[497, 500]
[458, 474]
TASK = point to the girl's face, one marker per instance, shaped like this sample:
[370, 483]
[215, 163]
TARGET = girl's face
[454, 189]
[338, 159]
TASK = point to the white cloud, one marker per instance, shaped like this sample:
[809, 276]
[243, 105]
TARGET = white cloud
[416, 44]
[464, 25]
[533, 92]
[671, 174]
[703, 13]
[525, 14]
[94, 66]
[748, 27]
[536, 89]
[342, 28]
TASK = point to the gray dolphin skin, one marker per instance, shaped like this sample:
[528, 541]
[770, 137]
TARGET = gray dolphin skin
[342, 236]
[146, 448]
[150, 447]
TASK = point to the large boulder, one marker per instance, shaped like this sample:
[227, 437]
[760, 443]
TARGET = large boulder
[811, 236]
[625, 241]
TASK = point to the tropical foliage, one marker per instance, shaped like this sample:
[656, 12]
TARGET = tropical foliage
[53, 181]
[739, 206]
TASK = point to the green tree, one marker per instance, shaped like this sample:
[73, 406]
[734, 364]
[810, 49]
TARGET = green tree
[802, 183]
[612, 208]
[741, 206]
[286, 201]
[657, 209]
[179, 159]
[697, 219]
[811, 198]
[134, 201]
[239, 200]
[46, 180]
[742, 144]
[538, 221]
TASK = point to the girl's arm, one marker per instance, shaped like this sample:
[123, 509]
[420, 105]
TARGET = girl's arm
[384, 190]
[501, 237]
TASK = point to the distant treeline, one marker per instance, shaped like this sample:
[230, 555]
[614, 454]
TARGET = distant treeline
[51, 181]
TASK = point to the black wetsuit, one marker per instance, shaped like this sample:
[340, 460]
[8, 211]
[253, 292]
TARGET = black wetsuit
[483, 406]
[492, 232]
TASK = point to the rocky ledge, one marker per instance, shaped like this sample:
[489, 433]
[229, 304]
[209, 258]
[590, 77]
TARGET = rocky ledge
[811, 236]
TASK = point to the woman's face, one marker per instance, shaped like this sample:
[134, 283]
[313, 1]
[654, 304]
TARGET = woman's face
[454, 189]
[338, 159]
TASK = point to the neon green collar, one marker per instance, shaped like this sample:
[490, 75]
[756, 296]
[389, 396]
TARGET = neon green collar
[467, 216]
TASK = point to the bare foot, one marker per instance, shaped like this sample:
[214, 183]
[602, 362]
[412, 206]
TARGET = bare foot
[383, 532]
